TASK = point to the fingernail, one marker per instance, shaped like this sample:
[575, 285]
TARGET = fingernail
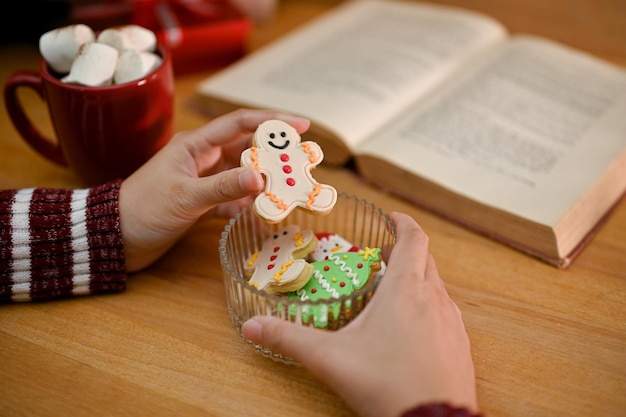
[250, 180]
[252, 330]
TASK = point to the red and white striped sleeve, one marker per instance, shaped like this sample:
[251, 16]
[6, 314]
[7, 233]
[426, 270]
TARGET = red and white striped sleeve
[57, 243]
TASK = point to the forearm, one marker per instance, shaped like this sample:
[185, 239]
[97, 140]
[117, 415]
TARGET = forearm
[60, 243]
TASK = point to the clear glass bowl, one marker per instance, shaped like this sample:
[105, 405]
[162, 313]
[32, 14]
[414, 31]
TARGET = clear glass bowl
[354, 219]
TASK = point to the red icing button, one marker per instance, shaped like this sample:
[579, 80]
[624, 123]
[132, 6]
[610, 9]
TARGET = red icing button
[287, 169]
[326, 267]
[291, 182]
[313, 290]
[277, 248]
[284, 157]
[342, 284]
[359, 265]
[270, 266]
[273, 258]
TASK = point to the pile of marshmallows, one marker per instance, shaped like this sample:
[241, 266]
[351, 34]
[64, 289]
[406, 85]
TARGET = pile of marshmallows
[117, 55]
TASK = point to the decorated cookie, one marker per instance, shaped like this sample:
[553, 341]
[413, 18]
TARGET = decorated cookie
[341, 274]
[329, 243]
[280, 265]
[286, 163]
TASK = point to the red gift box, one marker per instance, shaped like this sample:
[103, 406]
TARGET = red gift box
[201, 34]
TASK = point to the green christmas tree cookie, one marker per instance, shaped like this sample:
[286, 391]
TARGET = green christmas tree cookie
[341, 274]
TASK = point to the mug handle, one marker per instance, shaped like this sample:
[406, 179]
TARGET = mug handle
[39, 142]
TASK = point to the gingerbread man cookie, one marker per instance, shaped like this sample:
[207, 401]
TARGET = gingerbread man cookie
[280, 265]
[286, 162]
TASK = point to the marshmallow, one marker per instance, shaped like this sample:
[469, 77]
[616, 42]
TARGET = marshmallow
[59, 46]
[129, 37]
[94, 65]
[133, 65]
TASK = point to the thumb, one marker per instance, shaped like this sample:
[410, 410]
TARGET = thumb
[226, 186]
[281, 336]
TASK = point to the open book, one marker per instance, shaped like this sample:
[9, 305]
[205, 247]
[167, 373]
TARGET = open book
[516, 137]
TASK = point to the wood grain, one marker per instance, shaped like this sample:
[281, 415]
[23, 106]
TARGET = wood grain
[545, 341]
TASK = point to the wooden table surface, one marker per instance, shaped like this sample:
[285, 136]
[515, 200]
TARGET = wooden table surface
[546, 342]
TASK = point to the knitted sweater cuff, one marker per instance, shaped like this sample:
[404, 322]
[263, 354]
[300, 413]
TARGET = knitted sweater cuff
[60, 243]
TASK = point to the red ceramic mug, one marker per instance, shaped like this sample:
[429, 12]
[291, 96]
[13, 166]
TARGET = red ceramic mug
[102, 133]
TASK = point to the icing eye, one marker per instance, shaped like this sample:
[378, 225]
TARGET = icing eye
[272, 135]
[275, 236]
[283, 134]
[284, 233]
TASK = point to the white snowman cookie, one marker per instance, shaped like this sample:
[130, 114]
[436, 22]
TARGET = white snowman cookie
[280, 265]
[278, 153]
[328, 244]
